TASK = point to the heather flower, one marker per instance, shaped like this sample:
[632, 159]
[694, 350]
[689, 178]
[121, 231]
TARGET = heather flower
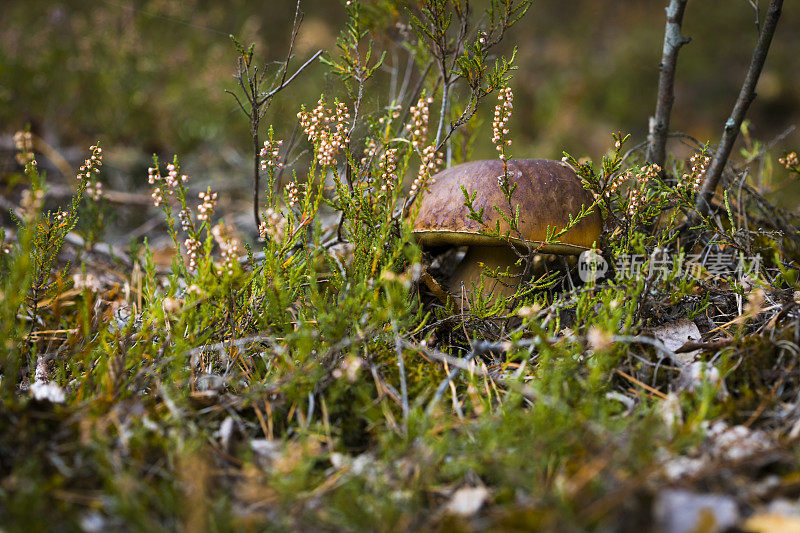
[431, 161]
[205, 209]
[326, 128]
[171, 305]
[369, 152]
[89, 171]
[652, 171]
[617, 181]
[85, 282]
[157, 197]
[273, 226]
[192, 251]
[790, 161]
[194, 289]
[23, 141]
[614, 183]
[502, 114]
[171, 179]
[31, 203]
[94, 190]
[387, 165]
[638, 193]
[185, 217]
[270, 154]
[229, 247]
[693, 180]
[292, 194]
[420, 116]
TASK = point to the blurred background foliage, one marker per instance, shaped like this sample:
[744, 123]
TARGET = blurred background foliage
[149, 76]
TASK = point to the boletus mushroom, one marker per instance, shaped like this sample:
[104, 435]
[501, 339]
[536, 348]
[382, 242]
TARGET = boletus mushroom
[547, 193]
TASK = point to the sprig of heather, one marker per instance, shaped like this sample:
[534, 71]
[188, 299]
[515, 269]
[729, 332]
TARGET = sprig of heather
[790, 162]
[698, 165]
[205, 209]
[173, 184]
[23, 142]
[430, 163]
[502, 114]
[229, 247]
[418, 126]
[273, 227]
[327, 129]
[637, 198]
[90, 170]
[387, 167]
[270, 155]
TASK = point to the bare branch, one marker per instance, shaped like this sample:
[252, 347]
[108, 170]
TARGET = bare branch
[746, 96]
[238, 102]
[754, 5]
[250, 81]
[284, 84]
[659, 123]
[298, 20]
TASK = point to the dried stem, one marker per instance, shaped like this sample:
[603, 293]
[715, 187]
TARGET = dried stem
[659, 123]
[746, 96]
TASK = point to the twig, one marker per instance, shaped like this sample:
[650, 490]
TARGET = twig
[659, 123]
[257, 102]
[57, 159]
[479, 348]
[645, 386]
[238, 343]
[684, 137]
[401, 368]
[691, 346]
[754, 5]
[640, 339]
[733, 124]
[283, 85]
[447, 380]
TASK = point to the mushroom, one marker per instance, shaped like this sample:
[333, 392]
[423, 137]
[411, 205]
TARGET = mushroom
[547, 193]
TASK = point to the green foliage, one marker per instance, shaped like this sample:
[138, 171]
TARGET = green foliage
[30, 271]
[354, 69]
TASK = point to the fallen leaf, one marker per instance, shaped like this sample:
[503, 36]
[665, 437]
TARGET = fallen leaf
[467, 501]
[676, 334]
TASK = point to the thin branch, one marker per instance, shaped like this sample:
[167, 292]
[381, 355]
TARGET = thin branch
[283, 85]
[298, 20]
[414, 96]
[746, 96]
[406, 78]
[250, 81]
[244, 110]
[447, 380]
[659, 123]
[401, 368]
[754, 5]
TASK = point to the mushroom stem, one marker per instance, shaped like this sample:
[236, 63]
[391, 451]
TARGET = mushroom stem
[494, 258]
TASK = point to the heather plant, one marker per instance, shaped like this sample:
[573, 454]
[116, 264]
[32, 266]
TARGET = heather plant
[510, 214]
[29, 267]
[307, 375]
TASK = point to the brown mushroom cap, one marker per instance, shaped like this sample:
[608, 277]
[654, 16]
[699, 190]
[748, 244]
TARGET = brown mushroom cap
[547, 193]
